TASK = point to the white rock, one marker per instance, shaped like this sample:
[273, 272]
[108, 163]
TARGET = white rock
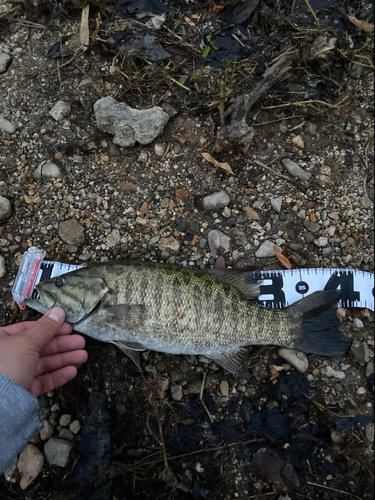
[113, 239]
[298, 141]
[7, 126]
[30, 464]
[47, 169]
[331, 372]
[5, 208]
[2, 266]
[60, 110]
[219, 199]
[129, 125]
[65, 420]
[276, 203]
[321, 242]
[295, 358]
[47, 430]
[159, 149]
[219, 242]
[4, 61]
[57, 451]
[266, 249]
[75, 427]
[357, 323]
[295, 170]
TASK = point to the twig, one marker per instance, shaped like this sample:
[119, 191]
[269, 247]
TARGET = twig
[278, 120]
[262, 165]
[178, 83]
[206, 450]
[8, 12]
[201, 398]
[313, 13]
[222, 102]
[302, 103]
[334, 489]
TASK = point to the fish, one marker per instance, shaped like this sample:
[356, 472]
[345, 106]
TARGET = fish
[167, 308]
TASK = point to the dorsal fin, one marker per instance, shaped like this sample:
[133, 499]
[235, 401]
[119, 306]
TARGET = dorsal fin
[245, 281]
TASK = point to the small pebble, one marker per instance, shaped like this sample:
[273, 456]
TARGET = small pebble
[361, 391]
[65, 420]
[176, 392]
[224, 388]
[7, 126]
[75, 427]
[357, 323]
[60, 110]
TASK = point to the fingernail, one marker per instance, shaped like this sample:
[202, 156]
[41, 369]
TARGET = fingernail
[56, 313]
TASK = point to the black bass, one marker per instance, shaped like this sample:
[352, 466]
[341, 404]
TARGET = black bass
[142, 305]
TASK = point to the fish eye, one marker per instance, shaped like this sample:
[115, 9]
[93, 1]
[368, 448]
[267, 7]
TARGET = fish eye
[59, 282]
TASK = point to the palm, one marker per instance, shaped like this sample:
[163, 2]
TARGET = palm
[36, 361]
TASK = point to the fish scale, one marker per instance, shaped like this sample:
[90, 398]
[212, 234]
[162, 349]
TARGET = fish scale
[144, 305]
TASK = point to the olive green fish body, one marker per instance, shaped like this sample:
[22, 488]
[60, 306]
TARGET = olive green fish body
[143, 305]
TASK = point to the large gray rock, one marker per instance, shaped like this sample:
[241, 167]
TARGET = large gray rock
[215, 201]
[4, 61]
[295, 358]
[47, 169]
[219, 242]
[60, 110]
[276, 203]
[5, 208]
[266, 249]
[295, 170]
[72, 232]
[129, 125]
[311, 226]
[7, 126]
[57, 451]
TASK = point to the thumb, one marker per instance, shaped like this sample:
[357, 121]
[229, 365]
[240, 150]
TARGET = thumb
[46, 327]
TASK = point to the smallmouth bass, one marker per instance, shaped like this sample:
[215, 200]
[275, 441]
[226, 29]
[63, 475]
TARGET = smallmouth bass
[143, 305]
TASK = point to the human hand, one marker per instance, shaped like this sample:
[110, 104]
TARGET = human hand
[40, 355]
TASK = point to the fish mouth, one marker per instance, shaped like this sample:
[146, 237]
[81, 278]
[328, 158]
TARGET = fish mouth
[37, 305]
[40, 304]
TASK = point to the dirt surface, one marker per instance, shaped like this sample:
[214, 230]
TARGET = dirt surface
[184, 429]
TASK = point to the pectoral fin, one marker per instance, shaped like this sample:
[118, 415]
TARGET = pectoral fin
[128, 349]
[235, 361]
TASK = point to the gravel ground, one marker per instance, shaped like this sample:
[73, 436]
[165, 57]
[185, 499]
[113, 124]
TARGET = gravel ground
[84, 199]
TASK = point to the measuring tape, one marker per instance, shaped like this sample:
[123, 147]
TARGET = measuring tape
[277, 290]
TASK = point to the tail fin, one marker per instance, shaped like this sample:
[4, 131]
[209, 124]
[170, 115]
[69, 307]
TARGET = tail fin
[319, 334]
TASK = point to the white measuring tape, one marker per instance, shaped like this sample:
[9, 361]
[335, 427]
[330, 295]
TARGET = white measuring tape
[278, 288]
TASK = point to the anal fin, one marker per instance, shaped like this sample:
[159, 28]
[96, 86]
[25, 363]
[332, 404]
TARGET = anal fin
[234, 361]
[131, 349]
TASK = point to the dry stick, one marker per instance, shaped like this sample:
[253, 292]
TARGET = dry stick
[270, 77]
[313, 13]
[334, 489]
[201, 398]
[262, 165]
[278, 120]
[206, 450]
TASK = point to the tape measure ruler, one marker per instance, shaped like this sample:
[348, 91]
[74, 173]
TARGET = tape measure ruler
[279, 288]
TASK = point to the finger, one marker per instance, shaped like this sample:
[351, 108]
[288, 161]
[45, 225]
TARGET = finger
[45, 328]
[63, 343]
[25, 325]
[53, 362]
[50, 381]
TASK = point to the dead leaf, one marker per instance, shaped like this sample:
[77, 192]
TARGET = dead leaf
[188, 21]
[361, 24]
[145, 208]
[128, 187]
[284, 261]
[194, 241]
[251, 213]
[214, 7]
[182, 140]
[181, 194]
[274, 371]
[224, 166]
[85, 30]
